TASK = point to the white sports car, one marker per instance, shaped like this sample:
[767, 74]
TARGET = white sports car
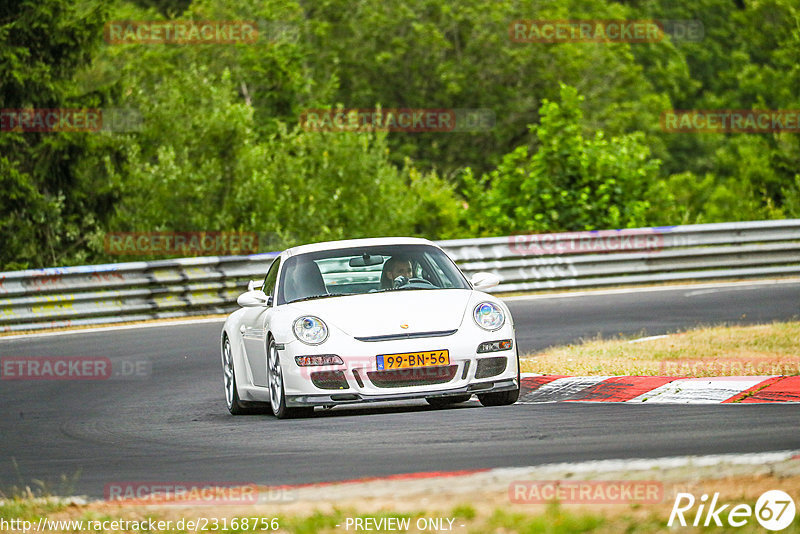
[367, 320]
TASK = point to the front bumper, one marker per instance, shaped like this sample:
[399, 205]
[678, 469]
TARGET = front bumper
[360, 381]
[332, 398]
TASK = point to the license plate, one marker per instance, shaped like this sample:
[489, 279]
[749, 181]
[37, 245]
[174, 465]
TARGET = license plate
[407, 360]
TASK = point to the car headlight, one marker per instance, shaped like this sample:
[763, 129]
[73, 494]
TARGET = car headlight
[489, 316]
[310, 330]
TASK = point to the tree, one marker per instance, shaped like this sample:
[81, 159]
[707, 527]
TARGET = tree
[570, 182]
[48, 203]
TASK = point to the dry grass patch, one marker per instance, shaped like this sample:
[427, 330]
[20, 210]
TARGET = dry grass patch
[769, 349]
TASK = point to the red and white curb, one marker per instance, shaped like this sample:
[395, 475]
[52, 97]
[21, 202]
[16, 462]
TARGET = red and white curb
[659, 389]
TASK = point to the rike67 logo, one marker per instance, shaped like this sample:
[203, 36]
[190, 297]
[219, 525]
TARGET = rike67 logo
[774, 510]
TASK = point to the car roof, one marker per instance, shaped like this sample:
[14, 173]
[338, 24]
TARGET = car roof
[348, 243]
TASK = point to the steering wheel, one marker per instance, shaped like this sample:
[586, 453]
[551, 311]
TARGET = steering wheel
[401, 281]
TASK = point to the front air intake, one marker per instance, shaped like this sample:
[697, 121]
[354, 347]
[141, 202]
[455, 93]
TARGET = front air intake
[490, 367]
[422, 376]
[329, 380]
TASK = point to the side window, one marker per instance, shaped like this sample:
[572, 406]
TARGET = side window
[271, 278]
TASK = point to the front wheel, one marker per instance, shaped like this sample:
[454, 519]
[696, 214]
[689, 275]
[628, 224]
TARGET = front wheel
[232, 401]
[502, 398]
[277, 396]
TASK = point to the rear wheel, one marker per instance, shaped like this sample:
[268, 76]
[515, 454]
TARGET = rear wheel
[438, 402]
[277, 397]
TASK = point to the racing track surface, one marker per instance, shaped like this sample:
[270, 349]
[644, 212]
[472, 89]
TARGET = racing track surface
[173, 425]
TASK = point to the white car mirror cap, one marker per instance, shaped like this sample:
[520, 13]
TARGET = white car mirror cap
[484, 280]
[253, 299]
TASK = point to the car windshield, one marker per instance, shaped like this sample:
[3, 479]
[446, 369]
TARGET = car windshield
[374, 269]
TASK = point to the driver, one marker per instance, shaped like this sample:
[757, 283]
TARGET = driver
[394, 267]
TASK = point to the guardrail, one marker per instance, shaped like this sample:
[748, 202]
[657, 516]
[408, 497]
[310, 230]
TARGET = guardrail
[71, 296]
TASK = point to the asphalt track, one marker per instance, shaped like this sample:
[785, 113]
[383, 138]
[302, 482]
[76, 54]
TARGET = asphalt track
[172, 425]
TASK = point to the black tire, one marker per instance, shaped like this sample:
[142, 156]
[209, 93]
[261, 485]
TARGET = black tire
[276, 390]
[439, 402]
[502, 398]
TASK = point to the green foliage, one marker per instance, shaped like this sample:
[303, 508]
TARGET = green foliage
[576, 145]
[571, 182]
[436, 54]
[47, 203]
[217, 171]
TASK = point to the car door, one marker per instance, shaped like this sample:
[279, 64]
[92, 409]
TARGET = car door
[253, 328]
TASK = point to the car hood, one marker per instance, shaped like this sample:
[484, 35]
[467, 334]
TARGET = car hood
[379, 314]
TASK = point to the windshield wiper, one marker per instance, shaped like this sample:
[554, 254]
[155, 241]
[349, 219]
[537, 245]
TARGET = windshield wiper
[313, 297]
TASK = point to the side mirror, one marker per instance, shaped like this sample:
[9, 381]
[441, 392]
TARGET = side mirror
[253, 299]
[484, 280]
[254, 284]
